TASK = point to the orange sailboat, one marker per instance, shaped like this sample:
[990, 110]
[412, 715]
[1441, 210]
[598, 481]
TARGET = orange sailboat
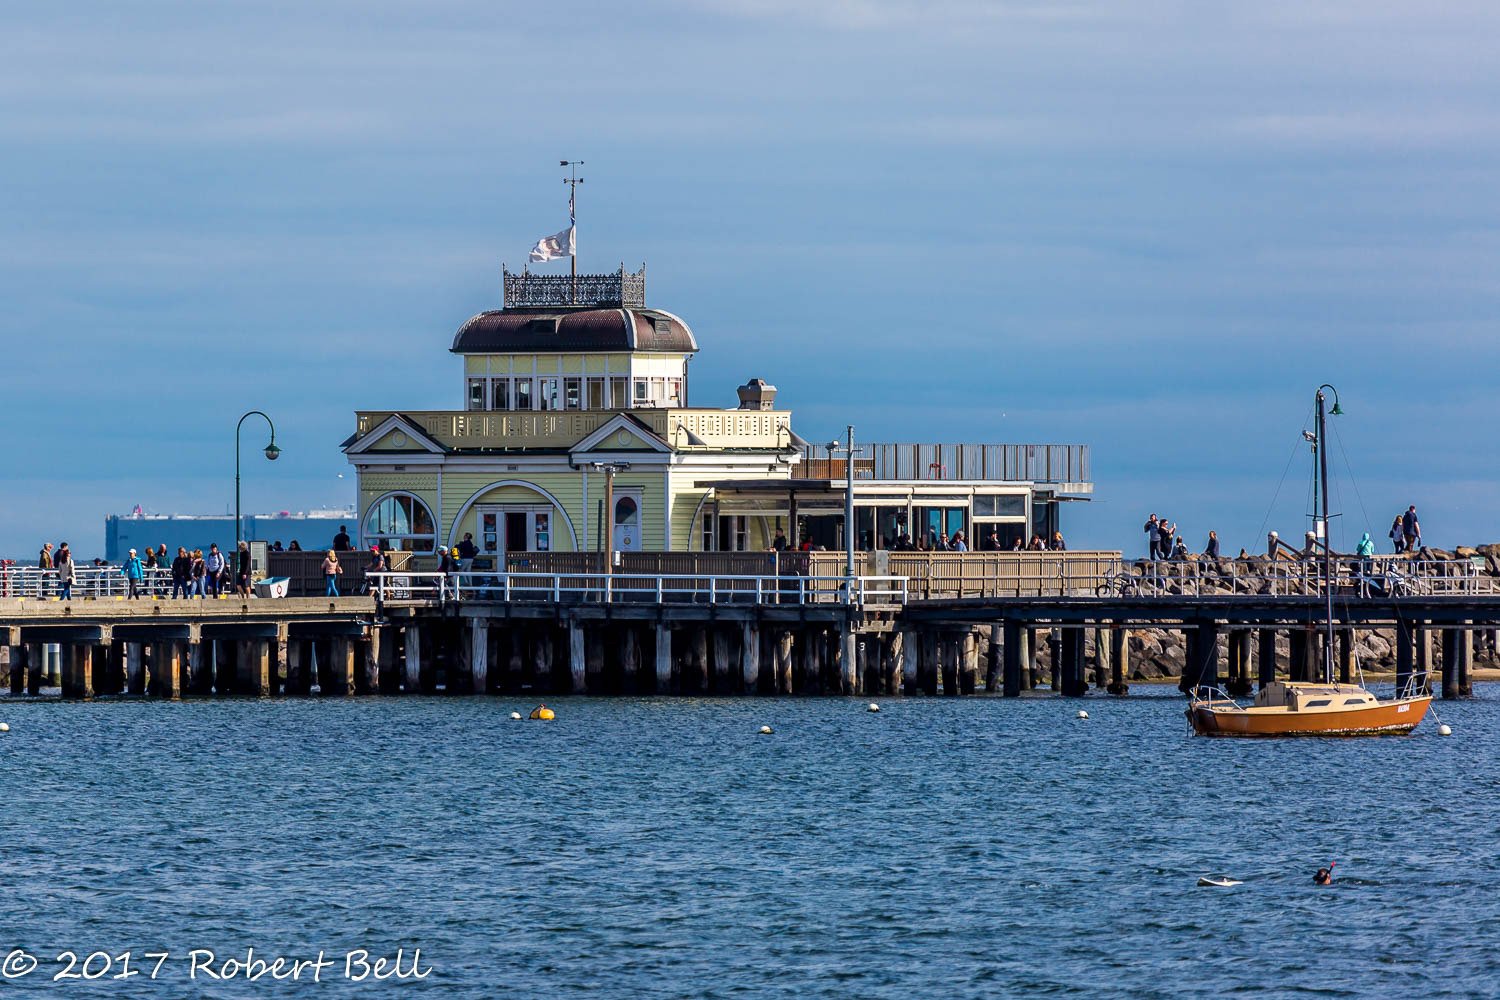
[1303, 708]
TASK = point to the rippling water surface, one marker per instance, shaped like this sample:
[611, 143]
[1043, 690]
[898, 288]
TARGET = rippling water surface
[661, 848]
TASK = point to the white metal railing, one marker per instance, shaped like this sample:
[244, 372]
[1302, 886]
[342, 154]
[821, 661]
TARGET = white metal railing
[611, 588]
[89, 581]
[1375, 577]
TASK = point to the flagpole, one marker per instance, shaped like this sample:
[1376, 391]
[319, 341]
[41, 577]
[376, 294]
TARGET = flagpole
[573, 180]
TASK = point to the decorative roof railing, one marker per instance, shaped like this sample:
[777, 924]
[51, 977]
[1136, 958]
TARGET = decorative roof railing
[1033, 463]
[621, 289]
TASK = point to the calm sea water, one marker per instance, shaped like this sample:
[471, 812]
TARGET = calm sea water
[661, 848]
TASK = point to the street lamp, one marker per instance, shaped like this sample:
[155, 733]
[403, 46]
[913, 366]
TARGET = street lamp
[272, 453]
[848, 511]
[609, 469]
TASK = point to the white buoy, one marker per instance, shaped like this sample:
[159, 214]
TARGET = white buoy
[5, 727]
[873, 707]
[765, 730]
[1443, 730]
[1082, 714]
[515, 715]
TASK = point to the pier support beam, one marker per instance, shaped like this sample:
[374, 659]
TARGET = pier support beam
[1012, 656]
[577, 662]
[1119, 659]
[1265, 657]
[1406, 637]
[893, 662]
[1203, 661]
[1346, 655]
[340, 672]
[849, 679]
[663, 659]
[411, 678]
[993, 661]
[1466, 661]
[20, 669]
[78, 671]
[911, 661]
[36, 655]
[200, 667]
[1101, 658]
[1240, 683]
[750, 658]
[1054, 647]
[968, 664]
[298, 667]
[783, 666]
[1068, 669]
[166, 669]
[726, 663]
[385, 650]
[1422, 638]
[630, 659]
[927, 663]
[135, 668]
[1031, 673]
[254, 661]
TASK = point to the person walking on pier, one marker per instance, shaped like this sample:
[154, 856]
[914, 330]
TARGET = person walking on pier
[1398, 536]
[198, 573]
[135, 573]
[341, 541]
[466, 550]
[331, 571]
[242, 570]
[1165, 531]
[182, 574]
[213, 566]
[1211, 549]
[44, 558]
[1411, 529]
[1153, 537]
[66, 572]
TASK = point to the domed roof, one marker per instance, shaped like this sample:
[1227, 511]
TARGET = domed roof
[516, 331]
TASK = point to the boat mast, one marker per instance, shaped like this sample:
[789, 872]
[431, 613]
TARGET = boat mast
[1322, 447]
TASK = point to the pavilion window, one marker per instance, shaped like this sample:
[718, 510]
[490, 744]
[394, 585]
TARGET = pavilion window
[619, 394]
[549, 393]
[642, 392]
[674, 391]
[573, 393]
[476, 393]
[401, 522]
[500, 394]
[596, 393]
[523, 394]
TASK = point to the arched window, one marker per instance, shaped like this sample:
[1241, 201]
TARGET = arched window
[402, 522]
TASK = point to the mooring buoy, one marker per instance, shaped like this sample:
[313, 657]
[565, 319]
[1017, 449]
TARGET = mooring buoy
[766, 730]
[1082, 714]
[1443, 730]
[515, 715]
[5, 727]
[873, 707]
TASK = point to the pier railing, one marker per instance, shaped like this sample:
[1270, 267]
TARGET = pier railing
[1373, 577]
[620, 588]
[98, 582]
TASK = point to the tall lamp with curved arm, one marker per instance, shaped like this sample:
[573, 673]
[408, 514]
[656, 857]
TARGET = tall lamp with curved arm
[272, 453]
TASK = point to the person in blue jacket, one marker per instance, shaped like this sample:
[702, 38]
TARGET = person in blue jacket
[135, 573]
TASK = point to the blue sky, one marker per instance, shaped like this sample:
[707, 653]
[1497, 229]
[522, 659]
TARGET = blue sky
[1151, 227]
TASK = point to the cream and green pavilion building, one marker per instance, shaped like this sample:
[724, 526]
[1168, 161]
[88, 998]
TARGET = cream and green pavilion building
[577, 381]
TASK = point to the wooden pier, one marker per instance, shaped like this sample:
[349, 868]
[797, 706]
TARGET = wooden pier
[584, 632]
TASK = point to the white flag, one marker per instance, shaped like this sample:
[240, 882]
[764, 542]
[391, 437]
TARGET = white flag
[554, 247]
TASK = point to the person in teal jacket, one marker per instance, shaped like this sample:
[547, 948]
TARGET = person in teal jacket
[135, 573]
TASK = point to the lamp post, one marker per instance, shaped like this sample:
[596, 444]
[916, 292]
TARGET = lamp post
[609, 469]
[1322, 446]
[272, 452]
[848, 511]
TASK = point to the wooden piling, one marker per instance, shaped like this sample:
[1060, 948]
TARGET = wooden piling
[1422, 647]
[1069, 669]
[663, 659]
[951, 654]
[386, 642]
[1346, 655]
[78, 671]
[200, 679]
[36, 660]
[1101, 658]
[253, 658]
[1466, 661]
[542, 659]
[577, 660]
[1054, 647]
[1119, 659]
[411, 673]
[340, 669]
[1240, 683]
[515, 663]
[1406, 637]
[1205, 647]
[135, 668]
[630, 659]
[785, 650]
[1265, 657]
[1449, 642]
[1013, 638]
[20, 668]
[223, 651]
[849, 673]
[166, 671]
[993, 662]
[725, 661]
[968, 667]
[749, 658]
[893, 662]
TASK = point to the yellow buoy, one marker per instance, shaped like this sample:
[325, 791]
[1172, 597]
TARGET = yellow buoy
[544, 713]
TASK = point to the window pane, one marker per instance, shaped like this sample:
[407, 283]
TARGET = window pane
[573, 393]
[642, 391]
[549, 394]
[476, 393]
[500, 394]
[1010, 506]
[625, 511]
[618, 400]
[523, 394]
[596, 394]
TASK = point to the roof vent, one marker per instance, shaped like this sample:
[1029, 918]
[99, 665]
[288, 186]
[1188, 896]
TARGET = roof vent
[757, 395]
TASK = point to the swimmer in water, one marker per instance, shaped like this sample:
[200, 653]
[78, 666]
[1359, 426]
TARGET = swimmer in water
[1324, 877]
